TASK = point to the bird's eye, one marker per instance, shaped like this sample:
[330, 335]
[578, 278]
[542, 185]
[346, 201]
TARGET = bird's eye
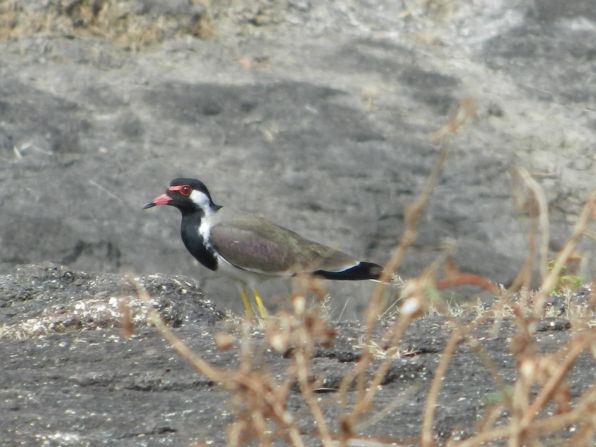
[185, 190]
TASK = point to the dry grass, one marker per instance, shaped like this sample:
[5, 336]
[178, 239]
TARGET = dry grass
[517, 417]
[106, 19]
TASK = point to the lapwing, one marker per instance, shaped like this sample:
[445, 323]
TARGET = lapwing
[250, 249]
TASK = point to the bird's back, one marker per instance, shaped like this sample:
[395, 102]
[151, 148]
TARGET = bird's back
[253, 243]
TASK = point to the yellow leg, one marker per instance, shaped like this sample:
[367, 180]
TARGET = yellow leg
[246, 303]
[260, 306]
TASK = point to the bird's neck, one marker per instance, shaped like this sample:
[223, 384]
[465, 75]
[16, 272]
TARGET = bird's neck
[194, 241]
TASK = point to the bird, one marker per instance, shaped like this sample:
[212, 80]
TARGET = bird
[250, 249]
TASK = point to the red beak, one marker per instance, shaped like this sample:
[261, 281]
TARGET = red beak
[164, 199]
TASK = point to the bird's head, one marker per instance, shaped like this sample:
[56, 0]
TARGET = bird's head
[188, 195]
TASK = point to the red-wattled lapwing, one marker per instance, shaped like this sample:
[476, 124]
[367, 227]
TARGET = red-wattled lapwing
[250, 249]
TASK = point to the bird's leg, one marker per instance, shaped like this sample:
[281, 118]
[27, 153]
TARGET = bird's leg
[260, 306]
[246, 303]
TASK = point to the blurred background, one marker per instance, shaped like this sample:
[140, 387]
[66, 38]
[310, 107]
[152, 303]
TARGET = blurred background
[318, 115]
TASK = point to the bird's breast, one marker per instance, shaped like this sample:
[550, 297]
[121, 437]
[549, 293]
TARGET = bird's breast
[197, 242]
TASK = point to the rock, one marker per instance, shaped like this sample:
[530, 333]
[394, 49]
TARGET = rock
[76, 379]
[49, 298]
[328, 136]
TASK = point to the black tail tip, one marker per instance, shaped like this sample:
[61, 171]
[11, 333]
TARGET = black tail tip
[360, 272]
[374, 270]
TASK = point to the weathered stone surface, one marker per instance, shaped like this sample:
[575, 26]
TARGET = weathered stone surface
[317, 114]
[87, 385]
[49, 298]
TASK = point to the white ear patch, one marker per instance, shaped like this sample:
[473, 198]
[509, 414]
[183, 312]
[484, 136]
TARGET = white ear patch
[201, 200]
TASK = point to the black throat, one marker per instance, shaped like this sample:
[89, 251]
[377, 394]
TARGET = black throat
[194, 242]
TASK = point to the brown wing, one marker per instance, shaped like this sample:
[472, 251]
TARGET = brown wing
[255, 244]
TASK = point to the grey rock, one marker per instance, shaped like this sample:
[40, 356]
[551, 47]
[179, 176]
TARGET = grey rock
[86, 384]
[320, 118]
[50, 298]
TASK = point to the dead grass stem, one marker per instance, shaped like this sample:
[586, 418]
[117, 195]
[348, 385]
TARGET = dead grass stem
[262, 414]
[435, 387]
[588, 213]
[108, 20]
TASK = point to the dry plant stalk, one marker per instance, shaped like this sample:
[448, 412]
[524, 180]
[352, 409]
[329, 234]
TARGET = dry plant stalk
[523, 426]
[433, 393]
[461, 117]
[460, 333]
[375, 308]
[300, 331]
[259, 398]
[588, 213]
[391, 339]
[575, 348]
[262, 415]
[540, 213]
[453, 277]
[265, 398]
[535, 205]
[542, 426]
[551, 369]
[413, 213]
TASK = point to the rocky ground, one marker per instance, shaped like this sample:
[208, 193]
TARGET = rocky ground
[318, 115]
[70, 377]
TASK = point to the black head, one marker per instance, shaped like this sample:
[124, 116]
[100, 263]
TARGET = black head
[189, 195]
